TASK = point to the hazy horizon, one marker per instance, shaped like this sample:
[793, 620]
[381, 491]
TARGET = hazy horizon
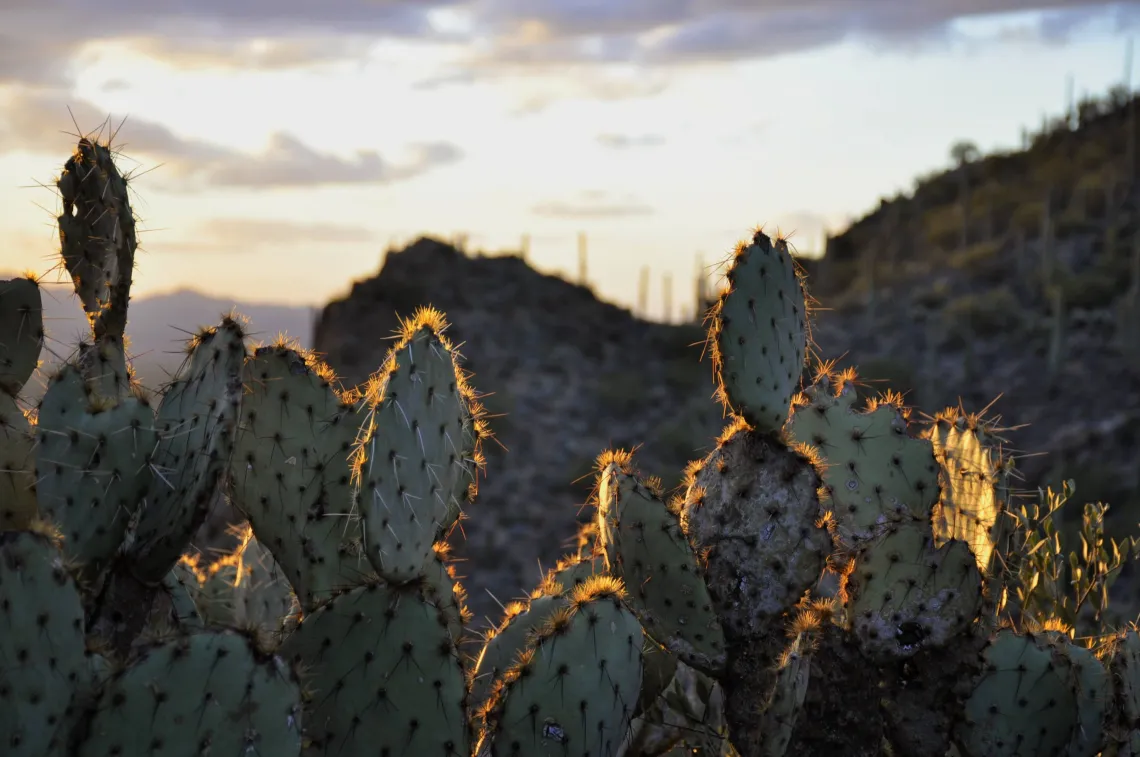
[281, 150]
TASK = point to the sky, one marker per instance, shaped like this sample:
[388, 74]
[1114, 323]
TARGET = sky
[280, 146]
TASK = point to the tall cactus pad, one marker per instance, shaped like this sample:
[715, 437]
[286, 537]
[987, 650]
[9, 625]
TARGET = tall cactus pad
[969, 507]
[292, 471]
[1022, 705]
[97, 236]
[906, 595]
[1124, 665]
[507, 641]
[210, 693]
[419, 459]
[787, 697]
[874, 473]
[645, 547]
[21, 332]
[196, 423]
[18, 505]
[385, 675]
[93, 466]
[41, 646]
[1090, 682]
[759, 333]
[573, 692]
[752, 507]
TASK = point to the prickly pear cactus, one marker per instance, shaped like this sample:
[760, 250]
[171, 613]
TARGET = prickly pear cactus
[874, 473]
[508, 640]
[21, 332]
[969, 508]
[645, 547]
[418, 460]
[574, 690]
[759, 333]
[1089, 680]
[41, 645]
[1022, 705]
[787, 697]
[1124, 666]
[905, 594]
[385, 674]
[760, 524]
[196, 423]
[21, 339]
[93, 464]
[214, 692]
[292, 471]
[97, 244]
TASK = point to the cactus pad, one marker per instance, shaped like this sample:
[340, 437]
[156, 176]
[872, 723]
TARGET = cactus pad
[196, 423]
[874, 473]
[787, 697]
[574, 690]
[209, 693]
[18, 505]
[905, 595]
[292, 471]
[417, 463]
[752, 505]
[93, 465]
[645, 547]
[41, 645]
[969, 508]
[759, 333]
[97, 236]
[1022, 705]
[385, 673]
[21, 332]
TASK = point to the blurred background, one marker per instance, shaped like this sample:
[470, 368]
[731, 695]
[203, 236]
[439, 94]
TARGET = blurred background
[565, 178]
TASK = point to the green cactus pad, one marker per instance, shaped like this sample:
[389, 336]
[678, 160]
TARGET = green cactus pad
[1022, 704]
[787, 697]
[752, 504]
[508, 640]
[1124, 667]
[292, 471]
[97, 236]
[41, 645]
[1091, 684]
[969, 508]
[196, 423]
[905, 594]
[416, 466]
[21, 332]
[18, 504]
[93, 466]
[208, 693]
[386, 676]
[645, 547]
[759, 333]
[874, 473]
[574, 691]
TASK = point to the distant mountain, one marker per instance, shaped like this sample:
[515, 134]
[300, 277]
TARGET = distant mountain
[158, 325]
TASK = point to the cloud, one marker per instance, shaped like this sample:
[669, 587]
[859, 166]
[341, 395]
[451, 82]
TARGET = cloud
[37, 43]
[31, 122]
[670, 32]
[593, 204]
[247, 235]
[626, 141]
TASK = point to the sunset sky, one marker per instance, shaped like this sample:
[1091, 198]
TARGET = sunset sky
[291, 140]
